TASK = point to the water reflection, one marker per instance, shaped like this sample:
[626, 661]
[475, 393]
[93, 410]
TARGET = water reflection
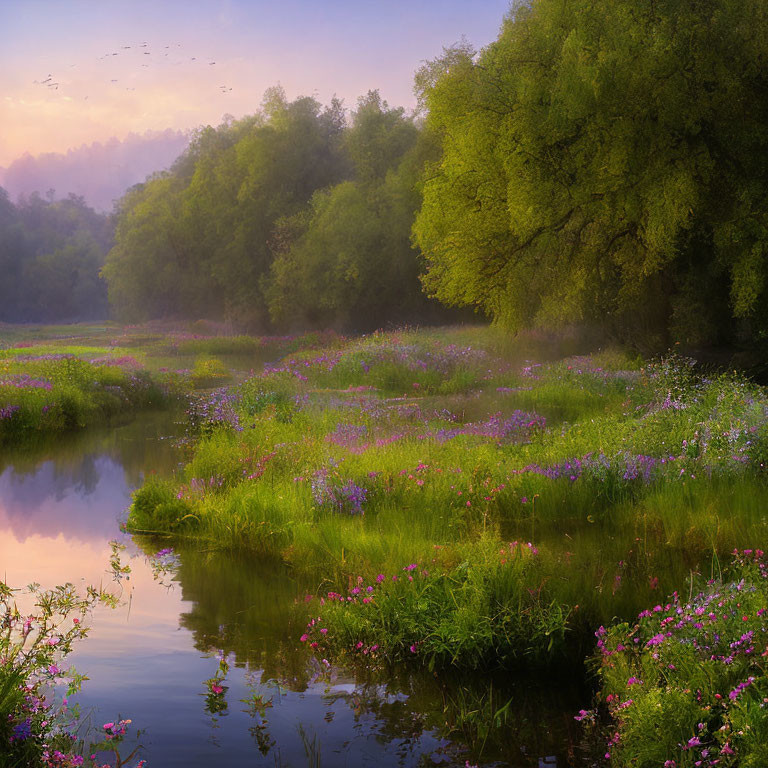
[230, 622]
[76, 486]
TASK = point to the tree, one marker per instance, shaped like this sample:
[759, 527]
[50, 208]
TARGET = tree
[196, 241]
[50, 257]
[347, 261]
[605, 161]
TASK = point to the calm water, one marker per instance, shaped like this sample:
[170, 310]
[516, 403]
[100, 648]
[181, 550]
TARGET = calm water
[60, 506]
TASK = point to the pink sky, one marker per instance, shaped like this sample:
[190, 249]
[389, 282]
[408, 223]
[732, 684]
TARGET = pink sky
[317, 48]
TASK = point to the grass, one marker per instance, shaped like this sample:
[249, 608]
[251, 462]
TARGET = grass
[44, 392]
[455, 500]
[685, 684]
[372, 454]
[55, 379]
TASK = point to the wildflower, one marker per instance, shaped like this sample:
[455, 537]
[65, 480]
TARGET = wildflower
[22, 731]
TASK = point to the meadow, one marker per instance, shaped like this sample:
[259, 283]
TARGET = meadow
[465, 502]
[458, 506]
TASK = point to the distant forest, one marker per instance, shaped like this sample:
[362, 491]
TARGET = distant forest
[600, 163]
[50, 257]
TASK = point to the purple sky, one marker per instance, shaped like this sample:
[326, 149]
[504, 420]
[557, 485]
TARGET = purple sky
[316, 48]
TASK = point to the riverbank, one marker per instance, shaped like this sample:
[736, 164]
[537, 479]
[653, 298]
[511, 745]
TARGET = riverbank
[464, 507]
[449, 502]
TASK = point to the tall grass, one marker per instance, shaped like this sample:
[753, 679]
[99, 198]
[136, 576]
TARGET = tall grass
[363, 457]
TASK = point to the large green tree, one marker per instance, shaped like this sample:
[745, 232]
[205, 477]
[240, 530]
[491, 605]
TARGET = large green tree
[605, 160]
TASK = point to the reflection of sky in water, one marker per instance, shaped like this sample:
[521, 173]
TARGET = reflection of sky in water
[149, 659]
[142, 665]
[81, 501]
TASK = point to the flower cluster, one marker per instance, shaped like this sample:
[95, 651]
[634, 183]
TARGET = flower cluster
[698, 665]
[329, 491]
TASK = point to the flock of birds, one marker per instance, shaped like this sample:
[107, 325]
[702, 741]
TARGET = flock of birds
[53, 85]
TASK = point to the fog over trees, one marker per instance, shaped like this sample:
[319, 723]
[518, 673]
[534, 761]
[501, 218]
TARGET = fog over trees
[50, 256]
[98, 172]
[291, 218]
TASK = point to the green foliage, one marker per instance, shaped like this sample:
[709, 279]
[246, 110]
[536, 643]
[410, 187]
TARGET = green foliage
[472, 607]
[288, 218]
[625, 476]
[156, 508]
[45, 391]
[195, 241]
[686, 685]
[209, 371]
[50, 257]
[38, 630]
[604, 162]
[348, 261]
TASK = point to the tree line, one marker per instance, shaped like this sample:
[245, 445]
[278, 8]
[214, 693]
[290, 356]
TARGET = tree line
[51, 253]
[294, 217]
[602, 162]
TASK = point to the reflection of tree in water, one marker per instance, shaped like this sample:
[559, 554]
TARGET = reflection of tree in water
[248, 609]
[145, 444]
[244, 607]
[86, 479]
[503, 719]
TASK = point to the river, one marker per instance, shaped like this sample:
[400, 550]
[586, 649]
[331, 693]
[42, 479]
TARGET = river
[61, 505]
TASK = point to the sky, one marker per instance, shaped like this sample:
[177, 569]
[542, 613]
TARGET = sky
[184, 64]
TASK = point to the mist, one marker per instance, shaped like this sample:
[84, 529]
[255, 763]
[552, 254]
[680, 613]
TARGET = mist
[99, 172]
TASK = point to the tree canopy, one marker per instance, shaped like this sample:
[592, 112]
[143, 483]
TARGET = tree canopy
[605, 161]
[285, 219]
[348, 260]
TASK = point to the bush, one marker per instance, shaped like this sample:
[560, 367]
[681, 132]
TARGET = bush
[687, 684]
[156, 507]
[476, 606]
